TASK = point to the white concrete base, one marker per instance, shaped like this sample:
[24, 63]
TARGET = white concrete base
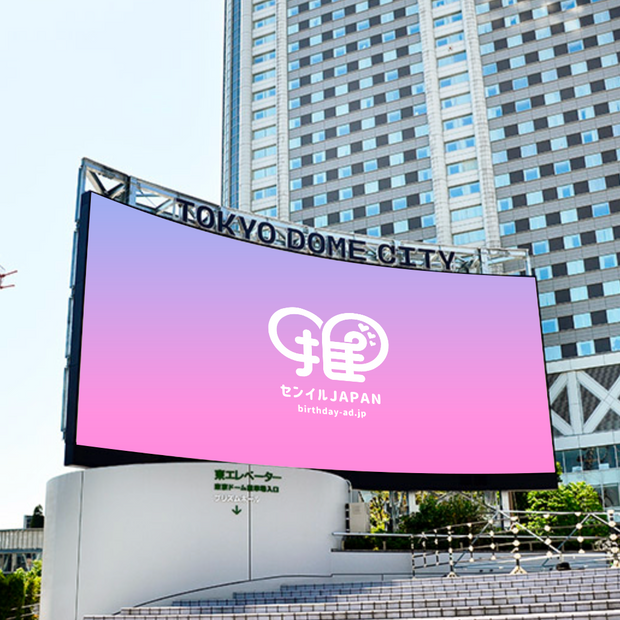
[123, 536]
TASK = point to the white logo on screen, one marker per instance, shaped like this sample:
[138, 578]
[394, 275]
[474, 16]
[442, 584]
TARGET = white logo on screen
[342, 361]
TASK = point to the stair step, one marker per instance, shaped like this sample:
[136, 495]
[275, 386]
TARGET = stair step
[592, 594]
[565, 615]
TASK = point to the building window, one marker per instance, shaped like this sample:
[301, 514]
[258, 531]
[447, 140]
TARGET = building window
[271, 212]
[459, 78]
[611, 288]
[553, 353]
[543, 273]
[457, 145]
[262, 173]
[608, 261]
[473, 236]
[574, 267]
[463, 166]
[549, 326]
[546, 299]
[579, 293]
[604, 234]
[266, 39]
[600, 210]
[428, 220]
[568, 215]
[531, 174]
[534, 198]
[582, 320]
[263, 133]
[566, 191]
[264, 94]
[266, 152]
[265, 113]
[585, 348]
[502, 180]
[401, 226]
[537, 222]
[540, 247]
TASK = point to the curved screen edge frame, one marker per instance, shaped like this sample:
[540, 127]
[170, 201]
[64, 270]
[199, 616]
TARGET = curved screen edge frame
[88, 456]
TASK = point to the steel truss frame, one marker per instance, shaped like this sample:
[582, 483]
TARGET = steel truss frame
[168, 203]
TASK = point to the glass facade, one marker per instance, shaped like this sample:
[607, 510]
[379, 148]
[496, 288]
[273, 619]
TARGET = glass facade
[232, 111]
[458, 122]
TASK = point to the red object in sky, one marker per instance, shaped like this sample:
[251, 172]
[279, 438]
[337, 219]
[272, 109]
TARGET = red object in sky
[4, 274]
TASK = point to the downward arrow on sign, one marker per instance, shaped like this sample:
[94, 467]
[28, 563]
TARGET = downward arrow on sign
[236, 510]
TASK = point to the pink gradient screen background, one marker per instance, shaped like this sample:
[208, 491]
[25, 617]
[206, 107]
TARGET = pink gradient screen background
[176, 357]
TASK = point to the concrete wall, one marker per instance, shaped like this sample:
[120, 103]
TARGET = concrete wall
[123, 536]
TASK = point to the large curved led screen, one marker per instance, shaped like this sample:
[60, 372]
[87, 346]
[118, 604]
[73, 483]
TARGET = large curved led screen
[198, 346]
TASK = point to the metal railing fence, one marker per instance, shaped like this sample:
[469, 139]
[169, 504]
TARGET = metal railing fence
[509, 541]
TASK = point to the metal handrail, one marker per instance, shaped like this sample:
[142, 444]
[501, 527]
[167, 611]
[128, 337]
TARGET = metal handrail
[481, 541]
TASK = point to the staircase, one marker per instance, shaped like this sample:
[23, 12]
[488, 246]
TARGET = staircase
[592, 594]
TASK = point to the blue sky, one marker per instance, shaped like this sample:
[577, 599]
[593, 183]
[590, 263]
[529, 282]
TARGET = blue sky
[133, 84]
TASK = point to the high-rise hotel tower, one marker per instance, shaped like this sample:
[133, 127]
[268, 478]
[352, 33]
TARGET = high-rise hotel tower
[457, 122]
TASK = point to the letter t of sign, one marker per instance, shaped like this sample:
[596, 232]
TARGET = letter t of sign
[307, 342]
